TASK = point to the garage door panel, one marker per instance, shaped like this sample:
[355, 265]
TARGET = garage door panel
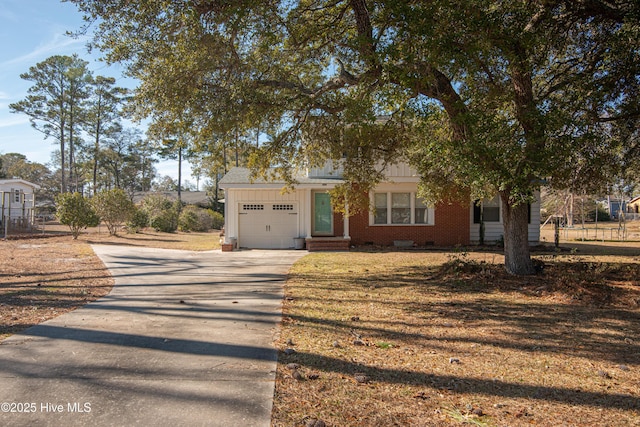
[267, 225]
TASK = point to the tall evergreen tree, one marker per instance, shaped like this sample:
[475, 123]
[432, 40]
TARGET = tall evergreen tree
[103, 110]
[54, 101]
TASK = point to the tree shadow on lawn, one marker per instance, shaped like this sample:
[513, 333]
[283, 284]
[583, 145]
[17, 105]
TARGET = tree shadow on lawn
[630, 248]
[545, 328]
[458, 384]
[574, 309]
[597, 334]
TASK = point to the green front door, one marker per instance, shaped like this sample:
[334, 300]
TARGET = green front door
[322, 214]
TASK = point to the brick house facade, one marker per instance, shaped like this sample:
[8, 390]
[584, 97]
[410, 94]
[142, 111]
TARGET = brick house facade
[258, 214]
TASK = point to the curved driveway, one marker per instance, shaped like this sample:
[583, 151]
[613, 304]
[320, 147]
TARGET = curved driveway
[184, 339]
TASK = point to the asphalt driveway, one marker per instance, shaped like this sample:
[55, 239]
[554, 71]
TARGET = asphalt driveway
[184, 339]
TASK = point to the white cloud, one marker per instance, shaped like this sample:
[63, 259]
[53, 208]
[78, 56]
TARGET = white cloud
[57, 43]
[14, 121]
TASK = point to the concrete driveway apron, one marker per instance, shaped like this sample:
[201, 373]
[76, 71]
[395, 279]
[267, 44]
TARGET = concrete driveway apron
[184, 339]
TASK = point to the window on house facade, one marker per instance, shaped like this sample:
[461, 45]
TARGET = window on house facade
[490, 210]
[422, 212]
[380, 215]
[401, 209]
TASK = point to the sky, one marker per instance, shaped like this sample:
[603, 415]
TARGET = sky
[30, 32]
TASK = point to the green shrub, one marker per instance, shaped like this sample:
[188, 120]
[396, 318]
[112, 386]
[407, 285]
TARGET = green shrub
[217, 219]
[74, 210]
[188, 220]
[603, 215]
[193, 218]
[139, 220]
[163, 214]
[114, 208]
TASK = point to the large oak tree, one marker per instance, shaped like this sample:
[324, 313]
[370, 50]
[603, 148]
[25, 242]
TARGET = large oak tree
[481, 96]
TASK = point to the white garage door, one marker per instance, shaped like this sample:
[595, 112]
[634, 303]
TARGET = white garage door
[267, 225]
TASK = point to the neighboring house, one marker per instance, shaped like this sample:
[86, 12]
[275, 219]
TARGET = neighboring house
[259, 214]
[198, 198]
[17, 203]
[615, 206]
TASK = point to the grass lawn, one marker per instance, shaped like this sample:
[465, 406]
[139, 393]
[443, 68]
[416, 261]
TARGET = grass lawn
[435, 338]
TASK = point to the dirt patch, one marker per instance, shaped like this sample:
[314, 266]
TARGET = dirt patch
[41, 281]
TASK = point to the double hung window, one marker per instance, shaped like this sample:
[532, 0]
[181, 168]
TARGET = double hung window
[405, 208]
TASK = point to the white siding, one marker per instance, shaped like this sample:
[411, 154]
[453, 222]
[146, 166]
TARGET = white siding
[329, 170]
[264, 195]
[400, 170]
[395, 172]
[23, 208]
[493, 231]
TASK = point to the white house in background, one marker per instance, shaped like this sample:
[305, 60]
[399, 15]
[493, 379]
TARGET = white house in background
[17, 203]
[259, 215]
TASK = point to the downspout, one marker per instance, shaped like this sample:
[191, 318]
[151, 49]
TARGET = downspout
[24, 216]
[33, 207]
[482, 230]
[597, 222]
[227, 237]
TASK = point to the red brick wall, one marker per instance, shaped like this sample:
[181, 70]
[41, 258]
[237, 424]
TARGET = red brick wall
[338, 225]
[452, 225]
[451, 228]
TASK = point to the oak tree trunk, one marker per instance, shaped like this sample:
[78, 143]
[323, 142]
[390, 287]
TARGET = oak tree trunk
[517, 257]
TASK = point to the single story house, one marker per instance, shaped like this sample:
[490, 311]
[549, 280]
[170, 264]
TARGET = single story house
[258, 214]
[17, 203]
[198, 198]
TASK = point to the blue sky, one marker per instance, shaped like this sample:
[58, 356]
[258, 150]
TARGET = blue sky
[30, 32]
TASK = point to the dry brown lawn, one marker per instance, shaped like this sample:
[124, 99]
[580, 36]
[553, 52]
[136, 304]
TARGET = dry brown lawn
[45, 275]
[430, 339]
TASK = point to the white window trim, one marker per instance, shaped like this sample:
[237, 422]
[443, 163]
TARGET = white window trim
[430, 211]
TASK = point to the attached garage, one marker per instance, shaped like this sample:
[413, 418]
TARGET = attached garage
[267, 225]
[260, 215]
